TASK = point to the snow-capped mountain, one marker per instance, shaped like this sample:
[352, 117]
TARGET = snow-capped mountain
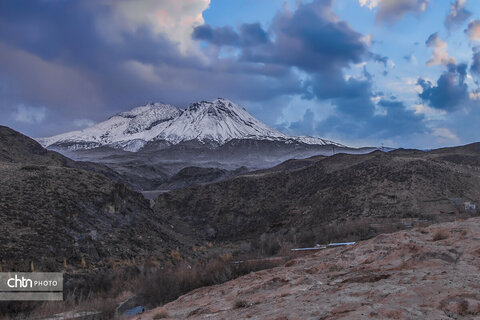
[215, 122]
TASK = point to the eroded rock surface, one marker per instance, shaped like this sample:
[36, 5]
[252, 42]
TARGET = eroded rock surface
[428, 273]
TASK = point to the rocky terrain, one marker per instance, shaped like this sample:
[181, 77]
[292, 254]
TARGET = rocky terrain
[59, 214]
[424, 273]
[320, 194]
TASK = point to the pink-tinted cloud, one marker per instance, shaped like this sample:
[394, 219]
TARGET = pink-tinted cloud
[390, 11]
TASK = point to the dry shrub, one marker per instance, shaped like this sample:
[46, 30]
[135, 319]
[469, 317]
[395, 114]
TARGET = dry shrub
[175, 254]
[270, 244]
[238, 304]
[161, 314]
[160, 286]
[441, 234]
[413, 247]
[49, 308]
[226, 257]
[462, 308]
[349, 230]
[335, 268]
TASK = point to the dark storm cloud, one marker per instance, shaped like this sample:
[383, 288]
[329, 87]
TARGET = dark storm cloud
[379, 58]
[218, 35]
[395, 121]
[450, 90]
[315, 40]
[457, 14]
[311, 38]
[253, 34]
[305, 126]
[475, 67]
[250, 34]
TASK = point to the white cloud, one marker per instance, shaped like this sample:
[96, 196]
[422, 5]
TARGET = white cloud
[473, 30]
[391, 11]
[143, 71]
[429, 112]
[474, 95]
[83, 123]
[369, 3]
[174, 18]
[367, 39]
[29, 114]
[445, 135]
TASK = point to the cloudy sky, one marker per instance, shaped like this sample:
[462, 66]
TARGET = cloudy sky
[361, 72]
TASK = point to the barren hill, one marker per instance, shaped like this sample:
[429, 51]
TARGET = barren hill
[55, 211]
[307, 195]
[424, 273]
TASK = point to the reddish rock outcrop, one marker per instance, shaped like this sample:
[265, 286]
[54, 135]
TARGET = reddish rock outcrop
[429, 273]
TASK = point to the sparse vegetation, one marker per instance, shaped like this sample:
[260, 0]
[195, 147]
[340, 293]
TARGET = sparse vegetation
[161, 286]
[153, 284]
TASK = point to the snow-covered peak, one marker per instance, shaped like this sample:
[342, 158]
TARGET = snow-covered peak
[150, 108]
[220, 121]
[146, 117]
[127, 130]
[217, 121]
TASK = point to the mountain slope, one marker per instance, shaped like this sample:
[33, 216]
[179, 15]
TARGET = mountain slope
[215, 122]
[380, 187]
[126, 130]
[428, 273]
[52, 209]
[17, 148]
